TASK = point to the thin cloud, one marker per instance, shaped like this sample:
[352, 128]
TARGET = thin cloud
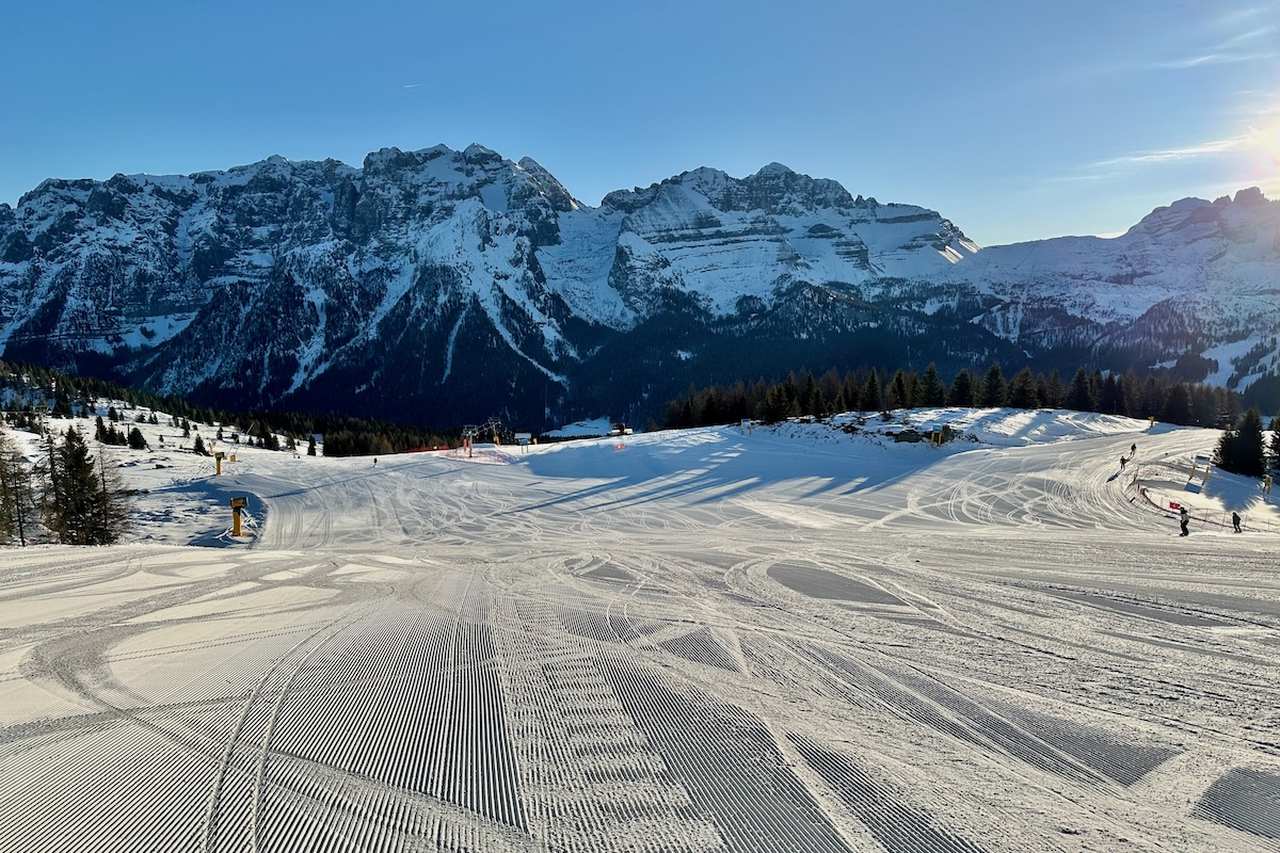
[1263, 111]
[1248, 35]
[1216, 58]
[410, 85]
[1165, 155]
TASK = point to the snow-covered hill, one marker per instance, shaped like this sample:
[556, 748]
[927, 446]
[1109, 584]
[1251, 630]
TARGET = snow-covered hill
[444, 285]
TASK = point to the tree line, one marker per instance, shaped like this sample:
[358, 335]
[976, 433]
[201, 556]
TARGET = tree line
[867, 390]
[31, 390]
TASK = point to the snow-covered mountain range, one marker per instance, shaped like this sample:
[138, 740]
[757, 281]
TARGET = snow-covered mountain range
[441, 286]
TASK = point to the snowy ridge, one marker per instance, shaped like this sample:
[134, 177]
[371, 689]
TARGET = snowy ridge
[1193, 278]
[278, 277]
[420, 272]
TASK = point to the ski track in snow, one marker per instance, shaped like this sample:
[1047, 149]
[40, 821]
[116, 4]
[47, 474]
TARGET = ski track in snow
[702, 641]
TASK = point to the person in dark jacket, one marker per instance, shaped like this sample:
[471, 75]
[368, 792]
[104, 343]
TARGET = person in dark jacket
[1184, 518]
[1235, 522]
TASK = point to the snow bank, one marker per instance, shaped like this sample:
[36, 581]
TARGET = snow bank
[997, 427]
[593, 428]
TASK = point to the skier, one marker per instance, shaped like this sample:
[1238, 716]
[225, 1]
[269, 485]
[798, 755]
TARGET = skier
[375, 462]
[1183, 519]
[1235, 522]
[1122, 461]
[1133, 449]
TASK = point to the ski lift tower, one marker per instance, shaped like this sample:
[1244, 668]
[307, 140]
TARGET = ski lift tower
[469, 433]
[496, 428]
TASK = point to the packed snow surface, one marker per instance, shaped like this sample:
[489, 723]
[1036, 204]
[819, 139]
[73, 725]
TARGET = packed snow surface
[808, 637]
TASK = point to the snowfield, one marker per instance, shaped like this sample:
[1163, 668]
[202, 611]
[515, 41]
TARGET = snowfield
[808, 637]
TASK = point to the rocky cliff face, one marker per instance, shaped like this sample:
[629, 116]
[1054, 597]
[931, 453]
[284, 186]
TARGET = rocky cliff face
[443, 286]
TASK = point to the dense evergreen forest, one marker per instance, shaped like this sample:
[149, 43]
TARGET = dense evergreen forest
[868, 390]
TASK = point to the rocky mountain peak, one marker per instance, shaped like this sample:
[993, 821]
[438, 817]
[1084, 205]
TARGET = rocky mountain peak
[316, 284]
[1250, 197]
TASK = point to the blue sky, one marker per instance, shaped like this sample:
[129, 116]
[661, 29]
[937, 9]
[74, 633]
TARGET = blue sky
[1016, 120]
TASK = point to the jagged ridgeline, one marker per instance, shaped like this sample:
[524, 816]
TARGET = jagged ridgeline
[441, 287]
[28, 393]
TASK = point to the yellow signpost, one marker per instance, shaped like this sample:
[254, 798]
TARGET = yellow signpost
[217, 463]
[237, 507]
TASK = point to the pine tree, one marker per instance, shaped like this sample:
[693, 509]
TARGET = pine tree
[1224, 454]
[136, 441]
[899, 397]
[100, 431]
[931, 391]
[1204, 409]
[1152, 399]
[311, 445]
[776, 408]
[995, 393]
[1111, 401]
[1022, 392]
[1095, 388]
[961, 393]
[1229, 406]
[112, 509]
[851, 390]
[17, 501]
[1042, 391]
[871, 400]
[81, 505]
[1249, 454]
[1177, 405]
[1274, 460]
[1080, 396]
[198, 447]
[1054, 393]
[809, 400]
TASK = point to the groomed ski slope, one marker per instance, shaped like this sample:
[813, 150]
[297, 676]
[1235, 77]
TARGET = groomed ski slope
[792, 639]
